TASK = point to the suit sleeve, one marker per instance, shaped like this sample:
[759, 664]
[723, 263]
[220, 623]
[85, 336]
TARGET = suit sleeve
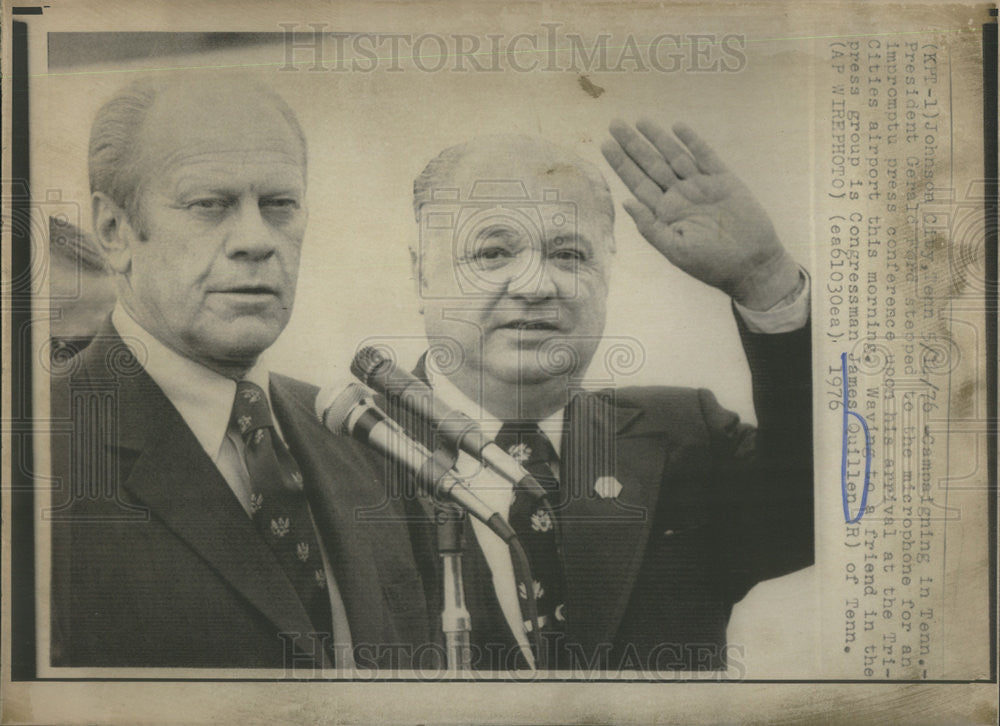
[763, 486]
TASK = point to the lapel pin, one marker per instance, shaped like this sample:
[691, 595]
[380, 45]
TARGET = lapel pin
[607, 487]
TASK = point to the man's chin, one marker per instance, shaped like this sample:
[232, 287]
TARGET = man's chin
[536, 364]
[526, 373]
[240, 345]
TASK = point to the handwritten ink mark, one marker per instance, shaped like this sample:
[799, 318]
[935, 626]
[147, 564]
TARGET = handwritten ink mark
[843, 452]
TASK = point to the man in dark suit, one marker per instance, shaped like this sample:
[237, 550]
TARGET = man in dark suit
[669, 509]
[201, 516]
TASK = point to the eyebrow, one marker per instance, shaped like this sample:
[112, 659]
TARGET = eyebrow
[283, 193]
[505, 234]
[495, 230]
[185, 187]
[569, 239]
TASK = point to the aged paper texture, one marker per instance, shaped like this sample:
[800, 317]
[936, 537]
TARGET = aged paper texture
[859, 130]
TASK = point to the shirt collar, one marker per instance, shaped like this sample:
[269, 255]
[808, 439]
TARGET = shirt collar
[203, 397]
[449, 394]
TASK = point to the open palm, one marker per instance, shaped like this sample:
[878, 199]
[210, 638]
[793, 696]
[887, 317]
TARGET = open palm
[698, 214]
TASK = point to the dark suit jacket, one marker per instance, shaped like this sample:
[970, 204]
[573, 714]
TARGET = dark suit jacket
[155, 563]
[709, 507]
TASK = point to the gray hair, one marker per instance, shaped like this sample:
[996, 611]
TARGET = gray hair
[441, 168]
[114, 154]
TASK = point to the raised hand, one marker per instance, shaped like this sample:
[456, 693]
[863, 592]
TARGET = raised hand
[699, 215]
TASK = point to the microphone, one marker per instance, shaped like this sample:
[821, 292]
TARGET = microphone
[454, 427]
[351, 411]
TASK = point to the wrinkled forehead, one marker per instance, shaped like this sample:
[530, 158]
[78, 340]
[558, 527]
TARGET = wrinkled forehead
[190, 121]
[526, 173]
[521, 176]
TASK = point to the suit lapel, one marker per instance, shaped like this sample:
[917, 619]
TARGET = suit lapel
[604, 537]
[336, 498]
[174, 477]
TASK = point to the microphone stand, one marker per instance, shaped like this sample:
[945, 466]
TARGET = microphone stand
[455, 621]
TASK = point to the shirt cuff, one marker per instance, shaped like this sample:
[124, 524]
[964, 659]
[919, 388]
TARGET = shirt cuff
[788, 314]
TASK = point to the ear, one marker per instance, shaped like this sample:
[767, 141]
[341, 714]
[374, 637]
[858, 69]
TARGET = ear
[114, 233]
[417, 277]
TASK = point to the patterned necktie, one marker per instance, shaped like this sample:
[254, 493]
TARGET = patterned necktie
[278, 504]
[534, 526]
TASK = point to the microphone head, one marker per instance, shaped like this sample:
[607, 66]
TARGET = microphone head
[366, 362]
[335, 403]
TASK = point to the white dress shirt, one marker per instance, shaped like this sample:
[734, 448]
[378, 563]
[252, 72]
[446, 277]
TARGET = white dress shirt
[785, 316]
[204, 399]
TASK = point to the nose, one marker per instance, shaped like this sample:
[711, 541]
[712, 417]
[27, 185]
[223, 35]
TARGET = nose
[250, 236]
[535, 281]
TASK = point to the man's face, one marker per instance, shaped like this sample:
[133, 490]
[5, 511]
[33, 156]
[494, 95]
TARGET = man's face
[223, 210]
[519, 285]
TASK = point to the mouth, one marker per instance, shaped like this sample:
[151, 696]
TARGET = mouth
[531, 325]
[254, 290]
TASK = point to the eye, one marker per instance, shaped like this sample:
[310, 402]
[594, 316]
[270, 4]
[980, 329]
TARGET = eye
[280, 203]
[208, 204]
[569, 255]
[279, 210]
[492, 253]
[490, 257]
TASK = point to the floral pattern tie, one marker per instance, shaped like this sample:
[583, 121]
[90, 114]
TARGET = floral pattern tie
[278, 504]
[532, 521]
